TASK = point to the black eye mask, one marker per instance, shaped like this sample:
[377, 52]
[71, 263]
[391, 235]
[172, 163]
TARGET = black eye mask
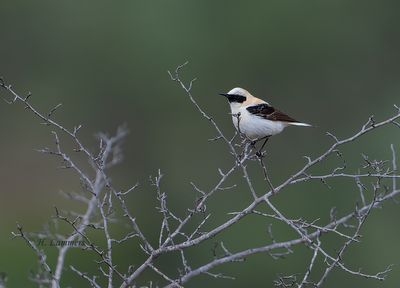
[234, 98]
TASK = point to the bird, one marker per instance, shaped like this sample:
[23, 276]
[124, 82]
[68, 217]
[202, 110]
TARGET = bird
[256, 118]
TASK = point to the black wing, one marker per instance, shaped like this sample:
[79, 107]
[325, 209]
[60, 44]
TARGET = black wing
[270, 113]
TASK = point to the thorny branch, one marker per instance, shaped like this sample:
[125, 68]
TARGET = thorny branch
[178, 232]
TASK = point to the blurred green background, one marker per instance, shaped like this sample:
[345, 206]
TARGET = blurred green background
[329, 63]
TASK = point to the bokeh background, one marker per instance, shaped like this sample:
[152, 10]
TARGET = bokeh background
[329, 63]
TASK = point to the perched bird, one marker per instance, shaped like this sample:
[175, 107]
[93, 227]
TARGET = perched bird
[256, 118]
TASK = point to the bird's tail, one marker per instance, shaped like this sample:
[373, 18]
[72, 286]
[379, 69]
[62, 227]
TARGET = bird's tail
[300, 124]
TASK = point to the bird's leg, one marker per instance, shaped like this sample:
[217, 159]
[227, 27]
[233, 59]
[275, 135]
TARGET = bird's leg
[259, 152]
[265, 142]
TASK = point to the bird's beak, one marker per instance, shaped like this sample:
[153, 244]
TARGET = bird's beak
[224, 94]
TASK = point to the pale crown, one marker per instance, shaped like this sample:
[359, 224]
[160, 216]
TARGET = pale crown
[239, 91]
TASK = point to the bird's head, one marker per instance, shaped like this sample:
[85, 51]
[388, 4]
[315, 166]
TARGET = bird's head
[237, 96]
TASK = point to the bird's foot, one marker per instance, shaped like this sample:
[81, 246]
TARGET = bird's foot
[261, 154]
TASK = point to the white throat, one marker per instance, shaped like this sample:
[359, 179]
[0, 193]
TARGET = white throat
[235, 107]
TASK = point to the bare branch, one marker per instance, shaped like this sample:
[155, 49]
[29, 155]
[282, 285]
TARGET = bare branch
[104, 205]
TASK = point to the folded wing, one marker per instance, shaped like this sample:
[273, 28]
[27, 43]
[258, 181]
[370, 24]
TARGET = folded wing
[270, 113]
